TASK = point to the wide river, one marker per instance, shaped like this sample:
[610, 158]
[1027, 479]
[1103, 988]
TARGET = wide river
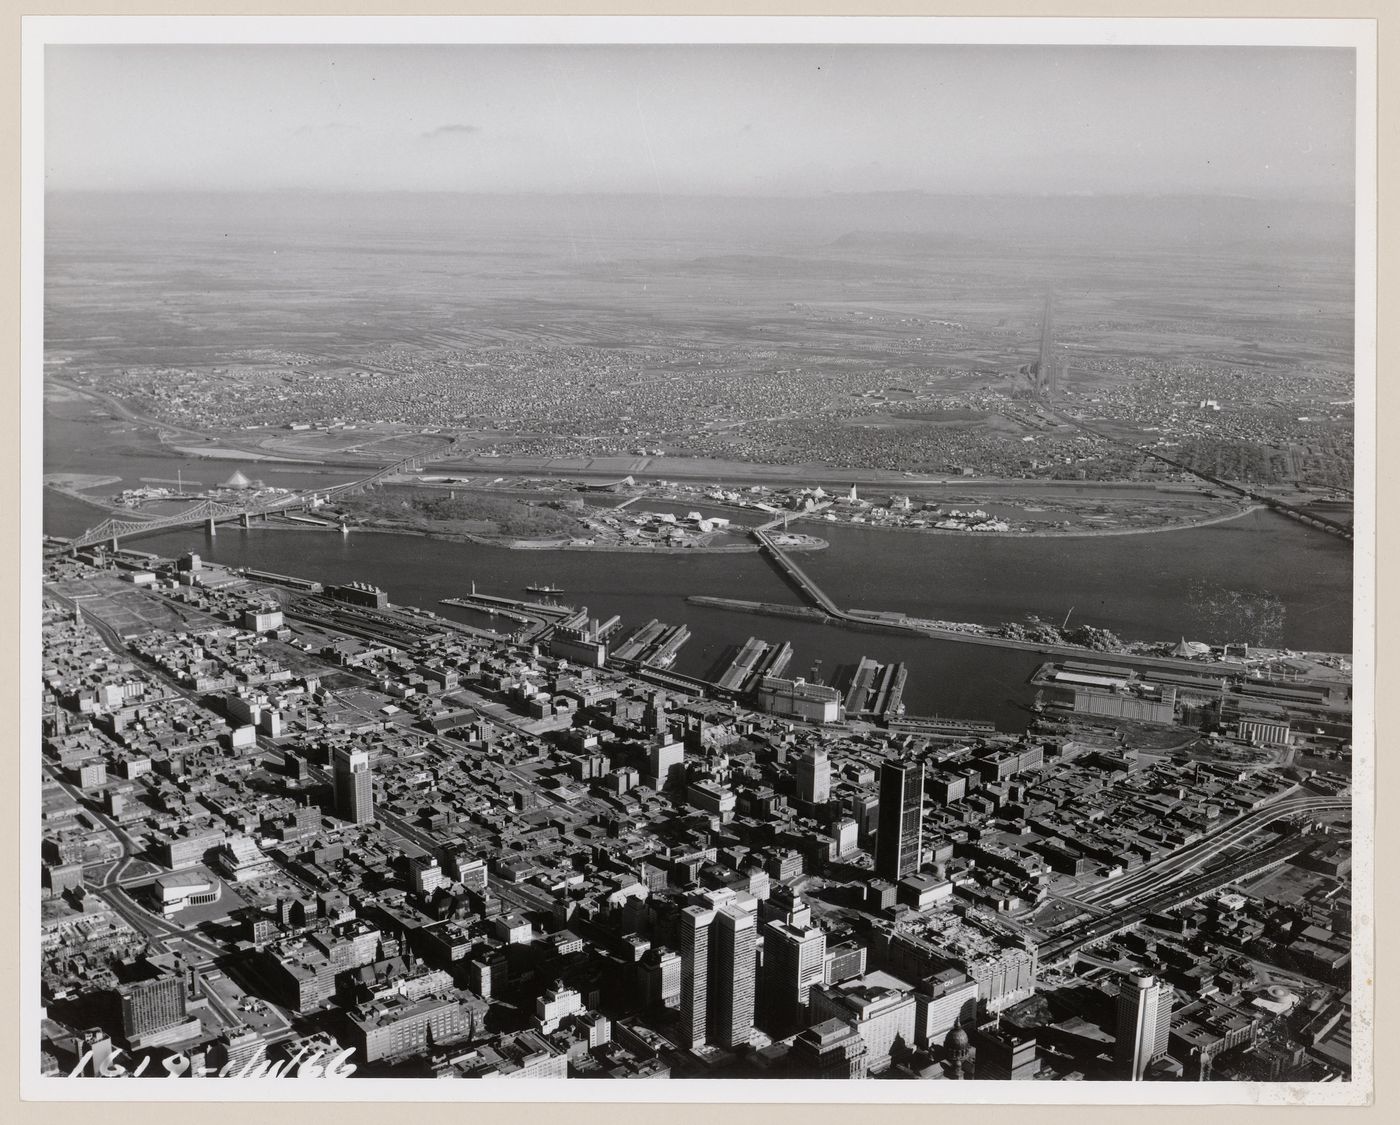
[1145, 586]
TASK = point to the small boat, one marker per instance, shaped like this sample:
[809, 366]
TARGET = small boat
[545, 589]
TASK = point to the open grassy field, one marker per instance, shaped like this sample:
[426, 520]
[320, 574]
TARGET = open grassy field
[433, 511]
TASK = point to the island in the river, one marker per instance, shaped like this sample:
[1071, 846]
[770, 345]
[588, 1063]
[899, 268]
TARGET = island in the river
[547, 524]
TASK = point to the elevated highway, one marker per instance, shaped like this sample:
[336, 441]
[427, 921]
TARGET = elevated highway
[1121, 904]
[1090, 932]
[1183, 861]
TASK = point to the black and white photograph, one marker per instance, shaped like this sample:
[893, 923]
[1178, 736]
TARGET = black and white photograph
[788, 556]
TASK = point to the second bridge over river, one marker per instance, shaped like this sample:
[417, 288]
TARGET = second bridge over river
[823, 608]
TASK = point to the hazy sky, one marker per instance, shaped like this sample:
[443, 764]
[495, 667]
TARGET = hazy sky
[719, 119]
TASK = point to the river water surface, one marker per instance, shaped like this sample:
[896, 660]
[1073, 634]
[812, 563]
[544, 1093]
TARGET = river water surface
[1143, 586]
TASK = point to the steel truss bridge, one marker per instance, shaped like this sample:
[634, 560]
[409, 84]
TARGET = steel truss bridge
[211, 512]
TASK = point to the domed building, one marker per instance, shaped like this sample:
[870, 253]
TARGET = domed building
[957, 1053]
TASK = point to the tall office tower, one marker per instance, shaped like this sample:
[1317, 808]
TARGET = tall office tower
[899, 839]
[654, 717]
[794, 959]
[695, 973]
[733, 969]
[1045, 370]
[845, 836]
[814, 776]
[354, 786]
[866, 811]
[666, 760]
[150, 1005]
[1144, 1025]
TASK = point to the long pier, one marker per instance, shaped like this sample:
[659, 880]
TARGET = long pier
[875, 689]
[537, 621]
[765, 609]
[665, 653]
[742, 668]
[489, 602]
[490, 610]
[640, 640]
[898, 623]
[655, 644]
[756, 658]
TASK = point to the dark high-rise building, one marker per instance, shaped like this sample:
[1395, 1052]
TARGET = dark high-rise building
[794, 959]
[899, 839]
[695, 973]
[814, 776]
[654, 717]
[718, 947]
[733, 969]
[354, 786]
[150, 1005]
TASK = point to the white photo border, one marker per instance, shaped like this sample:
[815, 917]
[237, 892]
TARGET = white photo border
[1358, 34]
